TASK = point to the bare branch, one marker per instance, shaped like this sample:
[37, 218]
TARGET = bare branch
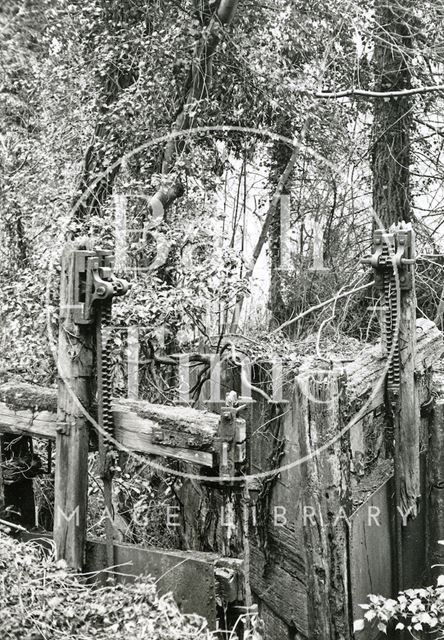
[346, 93]
[321, 305]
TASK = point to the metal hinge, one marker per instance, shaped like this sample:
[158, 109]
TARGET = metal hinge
[230, 443]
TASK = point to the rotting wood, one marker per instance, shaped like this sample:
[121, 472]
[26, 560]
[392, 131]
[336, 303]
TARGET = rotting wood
[75, 361]
[367, 369]
[436, 488]
[406, 428]
[29, 409]
[2, 486]
[282, 588]
[28, 397]
[198, 423]
[409, 416]
[326, 502]
[135, 433]
[135, 422]
[371, 551]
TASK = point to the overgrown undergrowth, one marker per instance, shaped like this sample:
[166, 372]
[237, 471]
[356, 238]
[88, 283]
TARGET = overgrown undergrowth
[40, 599]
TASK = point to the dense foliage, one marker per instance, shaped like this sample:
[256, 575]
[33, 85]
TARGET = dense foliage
[41, 598]
[89, 92]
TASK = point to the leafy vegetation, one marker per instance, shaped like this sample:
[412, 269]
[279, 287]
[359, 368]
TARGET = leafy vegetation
[166, 129]
[41, 598]
[414, 610]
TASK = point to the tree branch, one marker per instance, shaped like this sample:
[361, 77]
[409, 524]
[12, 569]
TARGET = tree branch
[378, 94]
[321, 305]
[197, 88]
[264, 234]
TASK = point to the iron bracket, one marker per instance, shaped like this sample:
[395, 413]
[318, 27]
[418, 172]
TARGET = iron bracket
[392, 251]
[230, 442]
[94, 281]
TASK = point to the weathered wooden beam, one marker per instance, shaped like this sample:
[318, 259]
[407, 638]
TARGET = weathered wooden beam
[28, 409]
[436, 488]
[136, 434]
[326, 504]
[177, 432]
[40, 425]
[28, 397]
[196, 425]
[367, 369]
[406, 422]
[75, 366]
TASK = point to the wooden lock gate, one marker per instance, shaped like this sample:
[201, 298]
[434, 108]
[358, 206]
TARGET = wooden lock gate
[308, 581]
[201, 582]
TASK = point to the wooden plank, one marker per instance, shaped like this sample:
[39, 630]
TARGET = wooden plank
[30, 410]
[406, 428]
[436, 488]
[135, 433]
[409, 419]
[40, 424]
[199, 425]
[188, 575]
[371, 552]
[278, 572]
[75, 360]
[372, 549]
[416, 569]
[276, 628]
[326, 479]
[281, 587]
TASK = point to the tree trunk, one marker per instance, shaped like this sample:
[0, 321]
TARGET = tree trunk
[392, 205]
[392, 117]
[197, 88]
[281, 156]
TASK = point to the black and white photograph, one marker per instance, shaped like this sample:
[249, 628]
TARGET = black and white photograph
[221, 320]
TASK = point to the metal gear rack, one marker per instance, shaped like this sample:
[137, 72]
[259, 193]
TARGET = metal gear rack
[393, 261]
[95, 286]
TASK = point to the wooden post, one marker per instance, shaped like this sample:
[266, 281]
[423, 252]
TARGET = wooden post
[436, 484]
[409, 412]
[326, 504]
[75, 360]
[2, 486]
[406, 424]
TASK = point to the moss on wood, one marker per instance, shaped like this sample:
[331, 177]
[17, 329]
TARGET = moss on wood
[22, 397]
